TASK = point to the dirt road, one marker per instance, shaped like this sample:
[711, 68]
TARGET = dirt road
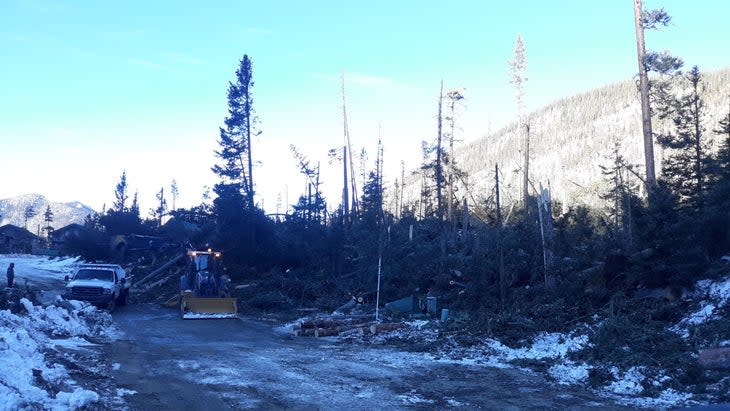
[241, 364]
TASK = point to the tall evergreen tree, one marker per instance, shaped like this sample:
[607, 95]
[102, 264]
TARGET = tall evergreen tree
[29, 213]
[620, 196]
[439, 165]
[48, 218]
[236, 166]
[175, 192]
[453, 101]
[723, 155]
[120, 194]
[161, 209]
[518, 65]
[685, 169]
[643, 20]
[372, 198]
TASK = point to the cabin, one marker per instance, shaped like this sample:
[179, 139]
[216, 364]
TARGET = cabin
[60, 236]
[17, 240]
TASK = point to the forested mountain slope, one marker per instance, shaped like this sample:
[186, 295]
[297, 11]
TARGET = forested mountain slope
[12, 211]
[569, 140]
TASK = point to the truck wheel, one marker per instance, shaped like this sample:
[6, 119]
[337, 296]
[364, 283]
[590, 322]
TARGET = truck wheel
[123, 298]
[111, 305]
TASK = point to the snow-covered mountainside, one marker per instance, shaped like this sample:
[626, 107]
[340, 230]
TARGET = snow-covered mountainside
[569, 140]
[12, 211]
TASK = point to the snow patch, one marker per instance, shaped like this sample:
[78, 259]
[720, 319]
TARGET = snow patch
[713, 296]
[568, 373]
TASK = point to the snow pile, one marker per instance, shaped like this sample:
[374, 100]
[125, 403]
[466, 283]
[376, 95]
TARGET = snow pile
[628, 387]
[713, 295]
[553, 347]
[28, 377]
[544, 346]
[569, 372]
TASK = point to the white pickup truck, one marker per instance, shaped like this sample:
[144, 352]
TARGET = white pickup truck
[100, 284]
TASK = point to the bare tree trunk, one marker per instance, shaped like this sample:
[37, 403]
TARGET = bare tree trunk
[316, 198]
[500, 250]
[345, 191]
[439, 159]
[698, 146]
[644, 90]
[402, 187]
[526, 166]
[349, 149]
[544, 212]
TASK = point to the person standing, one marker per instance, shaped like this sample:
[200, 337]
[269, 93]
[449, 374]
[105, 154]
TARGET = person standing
[11, 275]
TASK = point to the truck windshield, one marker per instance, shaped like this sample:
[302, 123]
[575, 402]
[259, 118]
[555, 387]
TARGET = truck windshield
[94, 274]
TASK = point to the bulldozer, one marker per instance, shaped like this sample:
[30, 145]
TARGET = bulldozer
[204, 290]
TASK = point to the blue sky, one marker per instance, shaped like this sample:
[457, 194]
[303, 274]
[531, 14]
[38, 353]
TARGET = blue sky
[89, 88]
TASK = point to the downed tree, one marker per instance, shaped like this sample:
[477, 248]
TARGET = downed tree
[385, 327]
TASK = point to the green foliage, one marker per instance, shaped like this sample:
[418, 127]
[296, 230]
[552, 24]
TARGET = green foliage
[121, 194]
[244, 234]
[121, 222]
[685, 170]
[235, 138]
[90, 244]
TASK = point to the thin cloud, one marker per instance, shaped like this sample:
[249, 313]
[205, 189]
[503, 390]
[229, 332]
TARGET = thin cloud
[147, 64]
[183, 58]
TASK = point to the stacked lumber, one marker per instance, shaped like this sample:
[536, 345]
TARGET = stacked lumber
[341, 326]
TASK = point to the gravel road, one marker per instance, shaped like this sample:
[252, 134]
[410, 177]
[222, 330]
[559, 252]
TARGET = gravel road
[175, 364]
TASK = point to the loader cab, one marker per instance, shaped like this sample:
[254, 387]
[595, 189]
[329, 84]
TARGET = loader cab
[204, 260]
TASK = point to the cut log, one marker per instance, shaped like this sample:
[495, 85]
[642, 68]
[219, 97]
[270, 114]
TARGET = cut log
[385, 327]
[326, 332]
[307, 332]
[327, 322]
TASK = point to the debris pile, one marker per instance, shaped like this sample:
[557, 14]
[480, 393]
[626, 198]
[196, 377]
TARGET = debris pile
[341, 325]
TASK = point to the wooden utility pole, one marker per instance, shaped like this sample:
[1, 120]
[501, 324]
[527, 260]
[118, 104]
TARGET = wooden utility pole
[644, 91]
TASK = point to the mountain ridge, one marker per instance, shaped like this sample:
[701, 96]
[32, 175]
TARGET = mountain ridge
[569, 139]
[12, 211]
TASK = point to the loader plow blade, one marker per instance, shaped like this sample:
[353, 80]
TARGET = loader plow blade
[208, 307]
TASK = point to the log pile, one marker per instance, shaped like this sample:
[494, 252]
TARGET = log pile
[342, 326]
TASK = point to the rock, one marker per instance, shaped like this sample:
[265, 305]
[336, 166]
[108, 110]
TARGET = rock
[718, 358]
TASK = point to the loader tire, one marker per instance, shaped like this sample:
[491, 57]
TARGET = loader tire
[123, 298]
[111, 305]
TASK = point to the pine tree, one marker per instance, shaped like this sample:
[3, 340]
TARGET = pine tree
[620, 197]
[723, 155]
[643, 20]
[685, 169]
[439, 165]
[175, 191]
[29, 213]
[518, 65]
[120, 194]
[311, 207]
[161, 210]
[372, 198]
[453, 101]
[236, 166]
[48, 218]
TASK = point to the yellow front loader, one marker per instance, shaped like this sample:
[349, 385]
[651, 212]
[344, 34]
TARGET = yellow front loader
[204, 293]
